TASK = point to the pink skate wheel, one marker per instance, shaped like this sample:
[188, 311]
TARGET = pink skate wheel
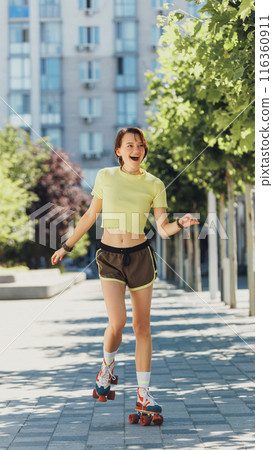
[95, 395]
[157, 419]
[145, 420]
[133, 418]
[111, 395]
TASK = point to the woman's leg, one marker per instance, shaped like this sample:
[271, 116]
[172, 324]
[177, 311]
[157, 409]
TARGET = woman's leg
[141, 301]
[141, 304]
[114, 297]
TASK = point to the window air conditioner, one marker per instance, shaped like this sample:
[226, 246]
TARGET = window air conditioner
[88, 118]
[89, 47]
[87, 155]
[89, 83]
[91, 154]
[89, 11]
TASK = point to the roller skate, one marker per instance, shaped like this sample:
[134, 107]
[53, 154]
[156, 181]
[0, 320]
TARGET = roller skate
[147, 409]
[104, 380]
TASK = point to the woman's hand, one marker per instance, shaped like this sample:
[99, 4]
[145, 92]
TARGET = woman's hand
[188, 220]
[58, 255]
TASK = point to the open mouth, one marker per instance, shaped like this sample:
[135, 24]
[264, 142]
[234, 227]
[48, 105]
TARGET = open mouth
[134, 158]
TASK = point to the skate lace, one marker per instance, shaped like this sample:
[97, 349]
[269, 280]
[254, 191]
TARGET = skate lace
[106, 371]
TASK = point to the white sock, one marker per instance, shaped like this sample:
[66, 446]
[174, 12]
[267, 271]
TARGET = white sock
[109, 357]
[143, 379]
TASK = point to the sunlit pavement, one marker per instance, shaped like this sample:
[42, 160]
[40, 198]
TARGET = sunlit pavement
[202, 373]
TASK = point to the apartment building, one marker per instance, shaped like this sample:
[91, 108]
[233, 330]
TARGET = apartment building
[74, 70]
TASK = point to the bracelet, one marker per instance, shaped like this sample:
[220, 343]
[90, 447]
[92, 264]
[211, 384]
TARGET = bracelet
[66, 248]
[177, 221]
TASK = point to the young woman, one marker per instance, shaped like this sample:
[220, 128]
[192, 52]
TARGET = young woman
[125, 195]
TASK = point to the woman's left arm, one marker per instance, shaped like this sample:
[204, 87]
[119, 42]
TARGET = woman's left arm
[166, 228]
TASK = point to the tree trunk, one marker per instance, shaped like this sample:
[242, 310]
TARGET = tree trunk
[181, 259]
[232, 247]
[176, 260]
[250, 247]
[190, 259]
[223, 253]
[212, 245]
[197, 260]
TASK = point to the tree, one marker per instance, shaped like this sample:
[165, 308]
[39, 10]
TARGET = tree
[202, 95]
[22, 162]
[32, 176]
[61, 187]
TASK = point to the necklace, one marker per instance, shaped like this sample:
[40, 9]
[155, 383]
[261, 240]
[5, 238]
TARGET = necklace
[131, 173]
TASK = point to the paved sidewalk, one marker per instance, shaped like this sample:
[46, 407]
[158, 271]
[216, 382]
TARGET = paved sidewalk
[202, 374]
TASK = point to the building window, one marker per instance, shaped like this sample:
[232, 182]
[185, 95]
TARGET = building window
[158, 4]
[193, 9]
[50, 38]
[20, 73]
[127, 108]
[91, 145]
[126, 72]
[126, 36]
[89, 4]
[88, 35]
[156, 66]
[19, 38]
[20, 103]
[90, 107]
[18, 8]
[125, 8]
[54, 134]
[50, 8]
[89, 70]
[156, 34]
[50, 73]
[50, 108]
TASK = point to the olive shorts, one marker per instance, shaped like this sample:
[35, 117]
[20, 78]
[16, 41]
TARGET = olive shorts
[135, 266]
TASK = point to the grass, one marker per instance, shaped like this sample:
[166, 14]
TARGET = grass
[13, 269]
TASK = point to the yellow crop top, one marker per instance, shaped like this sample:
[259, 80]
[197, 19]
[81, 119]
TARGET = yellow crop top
[127, 199]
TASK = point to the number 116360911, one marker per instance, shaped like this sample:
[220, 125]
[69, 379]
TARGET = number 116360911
[264, 48]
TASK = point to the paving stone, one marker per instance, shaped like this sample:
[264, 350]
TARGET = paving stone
[66, 445]
[207, 397]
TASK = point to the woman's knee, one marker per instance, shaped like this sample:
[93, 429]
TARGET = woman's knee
[142, 329]
[117, 326]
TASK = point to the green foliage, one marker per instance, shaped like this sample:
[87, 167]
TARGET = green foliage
[22, 162]
[81, 248]
[200, 97]
[14, 201]
[31, 175]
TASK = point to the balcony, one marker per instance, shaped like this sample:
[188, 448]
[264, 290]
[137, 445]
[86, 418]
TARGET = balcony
[18, 11]
[20, 120]
[50, 11]
[50, 118]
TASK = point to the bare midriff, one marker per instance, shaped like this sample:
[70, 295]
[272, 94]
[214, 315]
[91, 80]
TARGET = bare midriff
[118, 238]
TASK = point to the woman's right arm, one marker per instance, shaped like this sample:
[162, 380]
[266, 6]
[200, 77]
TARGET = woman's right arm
[86, 222]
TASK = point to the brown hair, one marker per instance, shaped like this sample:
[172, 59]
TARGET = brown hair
[119, 138]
